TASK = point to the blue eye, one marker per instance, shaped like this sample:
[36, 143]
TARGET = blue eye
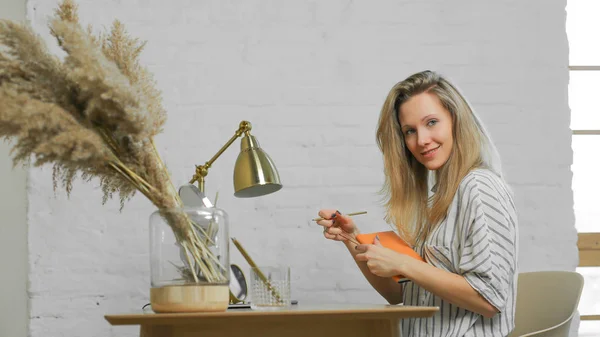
[432, 122]
[409, 132]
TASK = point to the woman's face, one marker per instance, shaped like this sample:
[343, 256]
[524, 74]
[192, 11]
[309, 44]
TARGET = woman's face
[427, 129]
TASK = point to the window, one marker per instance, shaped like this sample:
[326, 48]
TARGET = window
[584, 85]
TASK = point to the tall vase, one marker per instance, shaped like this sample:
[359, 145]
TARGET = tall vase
[185, 279]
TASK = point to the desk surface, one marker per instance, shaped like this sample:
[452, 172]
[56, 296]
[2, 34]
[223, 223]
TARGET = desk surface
[314, 311]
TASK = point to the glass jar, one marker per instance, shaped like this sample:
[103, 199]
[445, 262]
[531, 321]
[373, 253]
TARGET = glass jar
[189, 260]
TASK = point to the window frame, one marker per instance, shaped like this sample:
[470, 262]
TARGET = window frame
[588, 243]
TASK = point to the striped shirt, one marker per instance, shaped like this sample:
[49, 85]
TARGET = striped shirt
[478, 240]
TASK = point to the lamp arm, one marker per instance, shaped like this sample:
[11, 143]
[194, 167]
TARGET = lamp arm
[202, 171]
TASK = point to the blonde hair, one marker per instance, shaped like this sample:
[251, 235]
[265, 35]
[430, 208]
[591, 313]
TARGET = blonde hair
[406, 187]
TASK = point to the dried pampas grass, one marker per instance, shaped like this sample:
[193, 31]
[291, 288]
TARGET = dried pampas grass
[95, 113]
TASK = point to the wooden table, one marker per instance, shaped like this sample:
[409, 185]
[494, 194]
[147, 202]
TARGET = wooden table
[300, 320]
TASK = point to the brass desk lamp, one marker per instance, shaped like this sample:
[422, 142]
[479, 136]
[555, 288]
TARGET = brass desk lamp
[254, 173]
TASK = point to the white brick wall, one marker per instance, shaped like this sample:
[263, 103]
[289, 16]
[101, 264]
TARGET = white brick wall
[311, 77]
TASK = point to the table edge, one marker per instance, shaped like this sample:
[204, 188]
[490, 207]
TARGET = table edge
[371, 313]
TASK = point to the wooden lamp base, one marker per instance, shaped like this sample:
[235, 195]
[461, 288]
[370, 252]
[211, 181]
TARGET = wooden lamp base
[189, 298]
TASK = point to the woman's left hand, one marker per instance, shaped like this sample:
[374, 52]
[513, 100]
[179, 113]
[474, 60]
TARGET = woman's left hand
[381, 261]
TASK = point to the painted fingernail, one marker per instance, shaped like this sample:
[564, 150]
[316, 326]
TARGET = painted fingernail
[377, 237]
[340, 213]
[356, 247]
[333, 215]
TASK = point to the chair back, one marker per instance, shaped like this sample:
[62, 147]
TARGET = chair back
[546, 303]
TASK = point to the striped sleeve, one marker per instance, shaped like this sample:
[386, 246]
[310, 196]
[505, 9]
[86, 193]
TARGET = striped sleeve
[487, 258]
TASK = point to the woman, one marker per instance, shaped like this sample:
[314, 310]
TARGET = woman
[446, 195]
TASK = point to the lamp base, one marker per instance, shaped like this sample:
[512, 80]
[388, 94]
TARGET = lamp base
[189, 298]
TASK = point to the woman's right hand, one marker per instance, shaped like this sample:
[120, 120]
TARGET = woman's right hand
[337, 226]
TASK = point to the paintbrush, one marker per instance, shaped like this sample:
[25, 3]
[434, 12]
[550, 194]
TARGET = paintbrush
[343, 234]
[260, 274]
[349, 214]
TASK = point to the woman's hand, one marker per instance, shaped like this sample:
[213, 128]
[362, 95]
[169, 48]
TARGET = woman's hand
[381, 261]
[337, 226]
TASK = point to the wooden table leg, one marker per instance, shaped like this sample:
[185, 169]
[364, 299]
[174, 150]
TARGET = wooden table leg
[389, 327]
[156, 331]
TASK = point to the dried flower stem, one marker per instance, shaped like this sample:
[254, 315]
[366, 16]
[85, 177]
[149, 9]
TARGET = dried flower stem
[96, 113]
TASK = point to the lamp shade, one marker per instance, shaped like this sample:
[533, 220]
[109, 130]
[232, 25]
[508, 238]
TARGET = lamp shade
[255, 173]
